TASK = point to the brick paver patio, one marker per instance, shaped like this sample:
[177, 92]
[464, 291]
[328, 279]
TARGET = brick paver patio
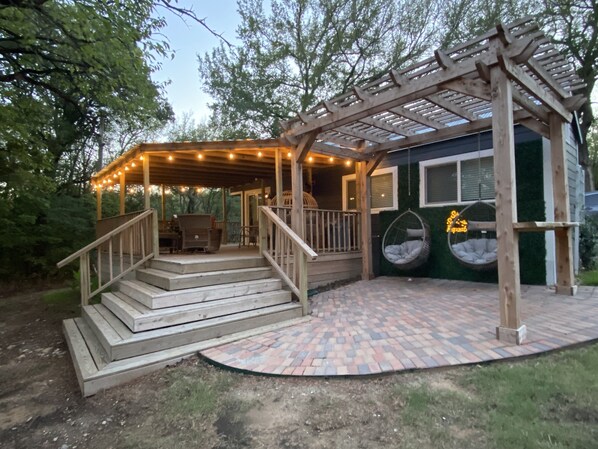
[393, 324]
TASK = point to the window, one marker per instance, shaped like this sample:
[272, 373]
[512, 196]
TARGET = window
[384, 189]
[457, 179]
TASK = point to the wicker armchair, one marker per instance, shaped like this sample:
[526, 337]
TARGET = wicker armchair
[197, 233]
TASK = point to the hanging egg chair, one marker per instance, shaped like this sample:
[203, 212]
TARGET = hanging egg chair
[406, 242]
[471, 236]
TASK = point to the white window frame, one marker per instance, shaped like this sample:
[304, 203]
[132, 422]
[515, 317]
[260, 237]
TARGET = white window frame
[423, 165]
[381, 171]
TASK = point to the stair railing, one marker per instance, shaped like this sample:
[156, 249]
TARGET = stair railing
[287, 253]
[129, 245]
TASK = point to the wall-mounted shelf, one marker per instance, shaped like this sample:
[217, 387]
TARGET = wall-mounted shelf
[542, 226]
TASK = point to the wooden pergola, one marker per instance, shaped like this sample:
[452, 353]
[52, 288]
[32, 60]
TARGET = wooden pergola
[510, 75]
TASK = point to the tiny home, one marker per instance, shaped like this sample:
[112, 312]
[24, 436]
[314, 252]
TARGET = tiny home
[382, 179]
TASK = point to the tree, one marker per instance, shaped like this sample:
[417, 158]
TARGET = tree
[301, 51]
[573, 27]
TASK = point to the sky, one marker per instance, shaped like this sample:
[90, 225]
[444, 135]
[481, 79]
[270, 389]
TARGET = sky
[188, 40]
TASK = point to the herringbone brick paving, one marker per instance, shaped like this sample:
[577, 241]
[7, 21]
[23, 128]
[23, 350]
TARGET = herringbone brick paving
[394, 324]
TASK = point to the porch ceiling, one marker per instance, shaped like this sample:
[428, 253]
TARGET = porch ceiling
[203, 164]
[444, 96]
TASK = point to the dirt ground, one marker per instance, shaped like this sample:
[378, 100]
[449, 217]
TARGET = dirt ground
[196, 405]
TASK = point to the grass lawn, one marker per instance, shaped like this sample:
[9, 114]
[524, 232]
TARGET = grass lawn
[589, 277]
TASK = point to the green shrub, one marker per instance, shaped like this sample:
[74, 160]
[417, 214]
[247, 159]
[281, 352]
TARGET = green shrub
[588, 242]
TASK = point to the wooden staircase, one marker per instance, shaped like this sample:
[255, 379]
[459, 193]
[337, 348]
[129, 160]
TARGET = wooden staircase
[174, 309]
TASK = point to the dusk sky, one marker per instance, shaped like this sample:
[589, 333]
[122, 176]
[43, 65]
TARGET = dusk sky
[188, 40]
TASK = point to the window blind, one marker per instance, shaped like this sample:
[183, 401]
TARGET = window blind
[476, 173]
[441, 183]
[382, 193]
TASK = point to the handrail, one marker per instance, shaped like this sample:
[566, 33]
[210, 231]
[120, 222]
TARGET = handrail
[131, 244]
[290, 233]
[103, 239]
[286, 252]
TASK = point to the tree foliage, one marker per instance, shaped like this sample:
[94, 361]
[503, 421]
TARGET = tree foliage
[300, 51]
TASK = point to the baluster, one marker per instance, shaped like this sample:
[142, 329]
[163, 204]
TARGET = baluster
[131, 247]
[84, 280]
[120, 252]
[328, 230]
[110, 267]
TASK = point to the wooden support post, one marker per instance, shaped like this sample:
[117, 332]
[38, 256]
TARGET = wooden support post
[99, 202]
[122, 193]
[363, 187]
[510, 330]
[146, 182]
[224, 216]
[262, 201]
[297, 186]
[565, 277]
[278, 174]
[163, 191]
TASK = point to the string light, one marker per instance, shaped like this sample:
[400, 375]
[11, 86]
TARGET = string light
[259, 154]
[348, 163]
[104, 181]
[289, 154]
[199, 190]
[126, 168]
[170, 158]
[114, 175]
[231, 156]
[310, 159]
[141, 157]
[119, 173]
[199, 156]
[133, 164]
[330, 159]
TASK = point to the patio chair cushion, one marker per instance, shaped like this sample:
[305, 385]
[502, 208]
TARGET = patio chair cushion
[476, 251]
[403, 253]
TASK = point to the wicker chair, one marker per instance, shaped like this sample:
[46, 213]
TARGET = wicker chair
[197, 233]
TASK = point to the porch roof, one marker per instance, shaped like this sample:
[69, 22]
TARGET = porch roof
[444, 96]
[202, 164]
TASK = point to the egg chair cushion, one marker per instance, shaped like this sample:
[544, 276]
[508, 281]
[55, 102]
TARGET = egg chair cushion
[403, 253]
[476, 251]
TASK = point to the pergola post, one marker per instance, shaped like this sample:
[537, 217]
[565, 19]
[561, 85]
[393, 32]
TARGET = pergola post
[122, 193]
[99, 202]
[146, 182]
[363, 193]
[223, 191]
[278, 176]
[297, 186]
[565, 277]
[510, 330]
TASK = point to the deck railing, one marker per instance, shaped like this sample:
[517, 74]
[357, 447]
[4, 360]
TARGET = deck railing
[327, 231]
[286, 252]
[129, 245]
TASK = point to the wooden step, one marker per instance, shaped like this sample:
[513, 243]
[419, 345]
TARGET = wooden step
[174, 281]
[208, 263]
[120, 343]
[140, 318]
[156, 298]
[93, 378]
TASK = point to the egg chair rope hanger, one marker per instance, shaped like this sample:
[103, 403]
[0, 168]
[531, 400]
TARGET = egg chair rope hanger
[471, 234]
[406, 242]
